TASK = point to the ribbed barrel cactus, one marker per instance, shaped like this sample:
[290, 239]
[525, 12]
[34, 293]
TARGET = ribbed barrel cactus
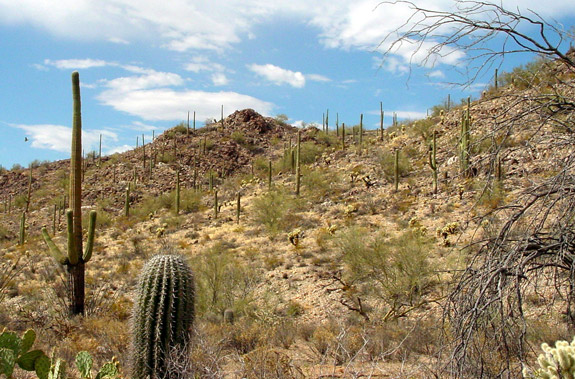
[163, 315]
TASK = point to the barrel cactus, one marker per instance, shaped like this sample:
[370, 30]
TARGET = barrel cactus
[163, 315]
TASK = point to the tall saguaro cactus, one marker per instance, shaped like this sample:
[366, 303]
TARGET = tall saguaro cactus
[76, 258]
[163, 315]
[433, 161]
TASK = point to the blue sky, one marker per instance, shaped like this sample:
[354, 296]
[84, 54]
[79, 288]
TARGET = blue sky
[144, 64]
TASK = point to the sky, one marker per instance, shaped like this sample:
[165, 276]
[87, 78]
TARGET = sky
[145, 64]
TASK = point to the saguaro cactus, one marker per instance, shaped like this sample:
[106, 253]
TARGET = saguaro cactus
[432, 161]
[75, 259]
[163, 315]
[297, 164]
[22, 234]
[464, 139]
[396, 171]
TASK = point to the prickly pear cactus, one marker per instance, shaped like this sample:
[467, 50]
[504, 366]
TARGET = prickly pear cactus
[163, 315]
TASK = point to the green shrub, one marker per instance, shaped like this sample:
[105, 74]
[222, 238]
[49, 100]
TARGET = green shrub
[387, 163]
[394, 270]
[275, 210]
[223, 281]
[309, 152]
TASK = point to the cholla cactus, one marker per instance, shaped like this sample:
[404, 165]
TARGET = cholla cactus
[294, 236]
[557, 362]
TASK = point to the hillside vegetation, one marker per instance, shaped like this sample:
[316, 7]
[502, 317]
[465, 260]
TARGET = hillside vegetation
[368, 272]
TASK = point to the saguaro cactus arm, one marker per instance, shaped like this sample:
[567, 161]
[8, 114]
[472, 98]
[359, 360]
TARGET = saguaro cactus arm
[90, 240]
[54, 250]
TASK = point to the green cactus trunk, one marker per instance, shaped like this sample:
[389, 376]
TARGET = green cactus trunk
[215, 204]
[127, 201]
[433, 161]
[238, 208]
[297, 164]
[270, 175]
[177, 205]
[75, 260]
[163, 315]
[360, 131]
[396, 171]
[343, 136]
[28, 198]
[22, 236]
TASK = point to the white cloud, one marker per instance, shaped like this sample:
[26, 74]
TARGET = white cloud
[317, 78]
[119, 41]
[59, 138]
[202, 63]
[219, 24]
[140, 126]
[168, 104]
[436, 74]
[413, 115]
[76, 64]
[119, 149]
[151, 79]
[219, 79]
[278, 75]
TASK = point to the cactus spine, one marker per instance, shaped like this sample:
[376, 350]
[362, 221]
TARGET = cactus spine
[75, 259]
[433, 162]
[297, 164]
[163, 314]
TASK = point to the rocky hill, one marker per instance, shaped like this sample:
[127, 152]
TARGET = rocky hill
[352, 277]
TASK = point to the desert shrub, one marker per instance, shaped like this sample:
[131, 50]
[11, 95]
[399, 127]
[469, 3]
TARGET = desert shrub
[190, 201]
[269, 363]
[275, 210]
[223, 281]
[309, 152]
[387, 163]
[395, 271]
[423, 129]
[20, 201]
[528, 75]
[319, 183]
[238, 137]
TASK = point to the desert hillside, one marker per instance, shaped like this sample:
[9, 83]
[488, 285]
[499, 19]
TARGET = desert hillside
[362, 268]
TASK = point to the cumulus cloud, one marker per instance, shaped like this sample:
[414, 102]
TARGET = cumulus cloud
[168, 104]
[219, 24]
[59, 137]
[278, 75]
[219, 79]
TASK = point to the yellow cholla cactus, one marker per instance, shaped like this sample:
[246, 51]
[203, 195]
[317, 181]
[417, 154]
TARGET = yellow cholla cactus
[294, 236]
[555, 362]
